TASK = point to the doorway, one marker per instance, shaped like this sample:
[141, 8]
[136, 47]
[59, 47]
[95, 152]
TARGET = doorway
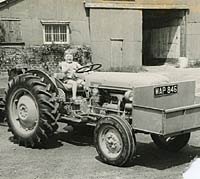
[116, 53]
[163, 36]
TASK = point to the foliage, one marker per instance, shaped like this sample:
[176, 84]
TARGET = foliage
[45, 57]
[83, 55]
[52, 49]
[11, 57]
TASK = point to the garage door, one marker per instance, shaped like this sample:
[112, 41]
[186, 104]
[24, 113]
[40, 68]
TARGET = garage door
[163, 36]
[165, 42]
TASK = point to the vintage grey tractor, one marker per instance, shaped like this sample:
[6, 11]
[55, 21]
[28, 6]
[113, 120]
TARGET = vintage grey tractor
[118, 105]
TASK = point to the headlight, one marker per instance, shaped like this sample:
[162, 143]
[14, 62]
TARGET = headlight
[129, 95]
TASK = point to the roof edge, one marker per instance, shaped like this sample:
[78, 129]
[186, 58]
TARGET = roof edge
[132, 5]
[6, 2]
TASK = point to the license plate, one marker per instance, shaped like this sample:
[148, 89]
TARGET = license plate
[165, 90]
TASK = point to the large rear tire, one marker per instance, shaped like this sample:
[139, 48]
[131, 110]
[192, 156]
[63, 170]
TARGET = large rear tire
[171, 144]
[31, 110]
[2, 110]
[114, 140]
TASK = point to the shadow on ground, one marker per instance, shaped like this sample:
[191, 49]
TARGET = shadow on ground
[147, 155]
[83, 137]
[80, 136]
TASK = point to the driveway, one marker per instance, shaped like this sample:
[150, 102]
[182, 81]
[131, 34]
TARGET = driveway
[71, 155]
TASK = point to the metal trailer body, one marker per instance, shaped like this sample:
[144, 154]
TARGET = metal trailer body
[166, 115]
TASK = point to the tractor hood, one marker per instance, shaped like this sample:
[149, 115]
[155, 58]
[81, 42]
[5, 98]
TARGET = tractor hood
[124, 80]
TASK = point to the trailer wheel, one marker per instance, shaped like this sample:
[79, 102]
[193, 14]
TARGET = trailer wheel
[31, 110]
[171, 144]
[114, 140]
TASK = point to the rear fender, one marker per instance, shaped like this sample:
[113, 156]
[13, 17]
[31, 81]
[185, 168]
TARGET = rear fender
[47, 78]
[15, 71]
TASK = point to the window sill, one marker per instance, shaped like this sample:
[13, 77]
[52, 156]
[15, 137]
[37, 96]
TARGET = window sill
[57, 43]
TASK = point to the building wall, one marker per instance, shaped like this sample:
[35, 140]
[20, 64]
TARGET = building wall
[193, 23]
[162, 2]
[113, 24]
[95, 28]
[193, 31]
[31, 13]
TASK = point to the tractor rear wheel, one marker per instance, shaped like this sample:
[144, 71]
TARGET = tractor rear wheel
[31, 110]
[171, 144]
[2, 110]
[114, 140]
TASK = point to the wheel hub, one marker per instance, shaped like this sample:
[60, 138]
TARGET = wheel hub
[23, 112]
[27, 112]
[112, 142]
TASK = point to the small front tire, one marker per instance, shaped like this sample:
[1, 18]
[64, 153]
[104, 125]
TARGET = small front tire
[114, 140]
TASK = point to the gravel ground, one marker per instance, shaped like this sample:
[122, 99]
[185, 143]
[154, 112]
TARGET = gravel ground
[72, 155]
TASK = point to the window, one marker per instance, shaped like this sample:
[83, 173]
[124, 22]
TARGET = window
[56, 32]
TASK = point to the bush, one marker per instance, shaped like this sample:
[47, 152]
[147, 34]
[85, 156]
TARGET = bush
[45, 57]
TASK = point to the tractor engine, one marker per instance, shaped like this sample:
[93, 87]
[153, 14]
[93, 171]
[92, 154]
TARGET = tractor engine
[108, 100]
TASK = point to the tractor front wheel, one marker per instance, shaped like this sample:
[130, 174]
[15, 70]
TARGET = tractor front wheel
[114, 140]
[31, 110]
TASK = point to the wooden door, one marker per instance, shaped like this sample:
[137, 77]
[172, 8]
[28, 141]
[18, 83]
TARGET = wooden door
[165, 42]
[116, 53]
[12, 31]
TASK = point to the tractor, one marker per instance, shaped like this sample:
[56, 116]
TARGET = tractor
[118, 105]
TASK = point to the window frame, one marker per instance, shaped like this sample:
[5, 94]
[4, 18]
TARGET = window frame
[50, 22]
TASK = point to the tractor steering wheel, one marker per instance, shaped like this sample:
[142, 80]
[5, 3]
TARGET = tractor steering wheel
[88, 68]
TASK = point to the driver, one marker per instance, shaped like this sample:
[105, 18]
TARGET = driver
[69, 67]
